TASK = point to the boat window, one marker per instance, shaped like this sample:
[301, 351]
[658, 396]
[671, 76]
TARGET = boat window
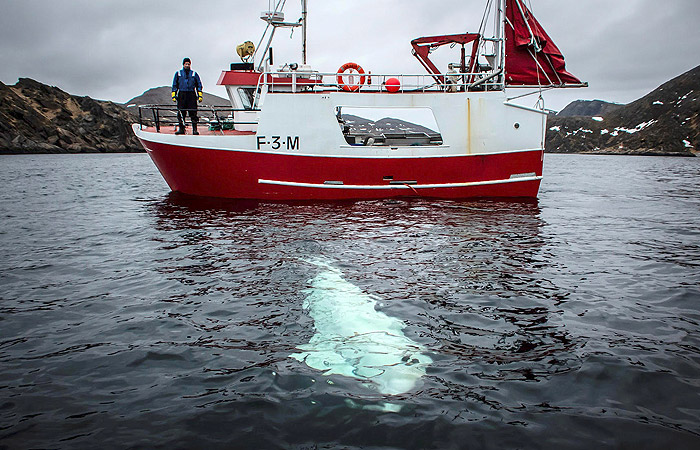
[381, 126]
[247, 96]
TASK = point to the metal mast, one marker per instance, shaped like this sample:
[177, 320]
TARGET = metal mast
[276, 20]
[500, 36]
[303, 31]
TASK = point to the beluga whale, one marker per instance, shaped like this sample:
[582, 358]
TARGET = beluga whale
[355, 340]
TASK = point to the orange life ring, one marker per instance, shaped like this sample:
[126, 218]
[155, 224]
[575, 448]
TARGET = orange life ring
[350, 87]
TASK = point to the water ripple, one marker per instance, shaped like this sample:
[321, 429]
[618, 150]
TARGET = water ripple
[131, 317]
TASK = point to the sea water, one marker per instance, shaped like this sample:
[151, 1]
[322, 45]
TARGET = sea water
[131, 317]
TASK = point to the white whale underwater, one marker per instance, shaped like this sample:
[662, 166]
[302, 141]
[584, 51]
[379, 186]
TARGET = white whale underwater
[355, 340]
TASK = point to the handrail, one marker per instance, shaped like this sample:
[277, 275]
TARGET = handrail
[300, 81]
[210, 114]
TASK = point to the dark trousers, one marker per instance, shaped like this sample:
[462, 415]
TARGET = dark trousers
[187, 103]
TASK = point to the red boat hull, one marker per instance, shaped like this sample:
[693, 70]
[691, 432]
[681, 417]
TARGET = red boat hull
[274, 176]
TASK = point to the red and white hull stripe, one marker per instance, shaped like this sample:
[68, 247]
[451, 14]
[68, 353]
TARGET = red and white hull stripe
[275, 176]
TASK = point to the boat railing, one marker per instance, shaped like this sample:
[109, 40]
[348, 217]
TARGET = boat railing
[217, 118]
[304, 81]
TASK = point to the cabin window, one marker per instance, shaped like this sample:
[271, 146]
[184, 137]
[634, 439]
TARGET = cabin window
[395, 127]
[247, 96]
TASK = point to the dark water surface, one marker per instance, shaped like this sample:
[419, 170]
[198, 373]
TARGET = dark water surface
[134, 318]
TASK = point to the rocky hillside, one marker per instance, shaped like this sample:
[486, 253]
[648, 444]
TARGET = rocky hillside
[664, 122]
[35, 118]
[588, 108]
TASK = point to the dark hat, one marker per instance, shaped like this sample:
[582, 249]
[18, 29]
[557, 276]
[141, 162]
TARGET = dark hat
[186, 60]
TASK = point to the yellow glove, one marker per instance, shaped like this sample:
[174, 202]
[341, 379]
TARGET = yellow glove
[174, 96]
[200, 97]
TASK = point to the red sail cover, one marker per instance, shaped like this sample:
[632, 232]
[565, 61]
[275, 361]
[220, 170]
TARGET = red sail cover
[531, 56]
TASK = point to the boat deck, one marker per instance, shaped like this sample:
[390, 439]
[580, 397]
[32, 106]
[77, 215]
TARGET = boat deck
[203, 131]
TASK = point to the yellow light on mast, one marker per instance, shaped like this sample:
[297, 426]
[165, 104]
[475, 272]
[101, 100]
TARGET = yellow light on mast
[246, 51]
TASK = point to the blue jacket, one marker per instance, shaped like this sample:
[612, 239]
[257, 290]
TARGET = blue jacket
[186, 80]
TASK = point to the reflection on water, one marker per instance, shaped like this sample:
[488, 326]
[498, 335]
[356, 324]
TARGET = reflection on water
[465, 276]
[129, 317]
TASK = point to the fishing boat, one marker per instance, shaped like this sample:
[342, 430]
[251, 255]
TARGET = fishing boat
[294, 133]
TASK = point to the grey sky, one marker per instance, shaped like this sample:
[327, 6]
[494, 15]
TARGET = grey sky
[117, 49]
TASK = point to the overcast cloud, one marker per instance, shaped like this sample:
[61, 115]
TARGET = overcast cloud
[117, 49]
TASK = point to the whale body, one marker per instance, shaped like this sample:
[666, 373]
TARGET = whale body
[355, 340]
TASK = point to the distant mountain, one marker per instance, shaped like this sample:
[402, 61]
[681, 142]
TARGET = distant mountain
[590, 108]
[161, 96]
[36, 118]
[664, 122]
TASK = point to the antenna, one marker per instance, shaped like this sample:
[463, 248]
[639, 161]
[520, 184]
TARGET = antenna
[275, 19]
[303, 31]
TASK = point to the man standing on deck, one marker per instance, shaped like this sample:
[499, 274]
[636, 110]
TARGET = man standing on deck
[187, 89]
